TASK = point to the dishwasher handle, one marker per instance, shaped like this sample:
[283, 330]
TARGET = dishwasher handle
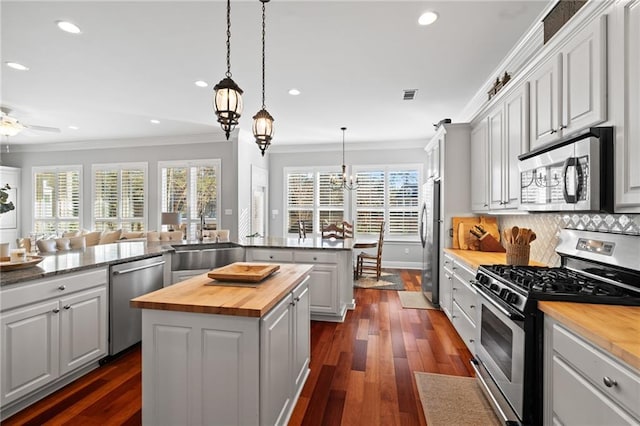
[126, 271]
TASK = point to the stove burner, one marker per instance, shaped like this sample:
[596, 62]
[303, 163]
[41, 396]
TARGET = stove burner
[540, 282]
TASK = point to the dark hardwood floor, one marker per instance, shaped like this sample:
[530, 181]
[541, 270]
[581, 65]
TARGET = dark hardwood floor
[361, 371]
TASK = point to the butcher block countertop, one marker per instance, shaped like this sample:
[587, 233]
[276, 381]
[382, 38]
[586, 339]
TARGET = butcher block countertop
[475, 258]
[193, 295]
[616, 329]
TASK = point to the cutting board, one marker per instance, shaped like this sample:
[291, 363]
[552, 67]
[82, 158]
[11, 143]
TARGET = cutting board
[490, 225]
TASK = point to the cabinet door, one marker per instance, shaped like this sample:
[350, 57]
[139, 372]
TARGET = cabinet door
[516, 142]
[276, 364]
[584, 78]
[301, 335]
[83, 328]
[496, 120]
[479, 167]
[544, 102]
[627, 150]
[30, 343]
[323, 289]
[446, 285]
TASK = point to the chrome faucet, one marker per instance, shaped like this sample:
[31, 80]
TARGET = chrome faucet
[201, 235]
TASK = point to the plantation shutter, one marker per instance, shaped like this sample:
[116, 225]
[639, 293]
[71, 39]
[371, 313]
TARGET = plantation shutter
[57, 201]
[330, 201]
[105, 206]
[132, 210]
[403, 202]
[300, 196]
[370, 201]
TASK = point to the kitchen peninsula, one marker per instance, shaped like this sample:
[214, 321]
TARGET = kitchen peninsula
[224, 353]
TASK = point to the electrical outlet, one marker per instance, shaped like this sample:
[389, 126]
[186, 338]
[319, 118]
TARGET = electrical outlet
[406, 251]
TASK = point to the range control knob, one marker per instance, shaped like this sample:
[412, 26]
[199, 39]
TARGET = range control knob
[494, 287]
[513, 298]
[504, 294]
[483, 279]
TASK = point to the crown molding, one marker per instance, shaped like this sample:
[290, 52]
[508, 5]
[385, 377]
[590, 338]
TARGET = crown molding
[351, 146]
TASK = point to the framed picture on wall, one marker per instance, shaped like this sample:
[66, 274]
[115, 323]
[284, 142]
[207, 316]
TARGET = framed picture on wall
[8, 207]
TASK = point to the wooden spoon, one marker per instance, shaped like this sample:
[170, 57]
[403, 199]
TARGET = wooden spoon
[524, 236]
[532, 236]
[514, 235]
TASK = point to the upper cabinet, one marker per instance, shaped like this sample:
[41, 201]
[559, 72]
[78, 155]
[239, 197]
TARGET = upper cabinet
[568, 89]
[433, 159]
[479, 167]
[496, 142]
[626, 102]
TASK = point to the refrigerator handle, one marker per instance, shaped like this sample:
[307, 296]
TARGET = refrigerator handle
[423, 214]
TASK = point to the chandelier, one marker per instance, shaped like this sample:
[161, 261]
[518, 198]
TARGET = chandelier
[228, 96]
[344, 182]
[263, 121]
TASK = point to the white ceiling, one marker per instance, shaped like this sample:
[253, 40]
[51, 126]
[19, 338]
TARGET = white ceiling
[138, 60]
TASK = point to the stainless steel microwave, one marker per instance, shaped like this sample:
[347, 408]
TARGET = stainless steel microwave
[575, 174]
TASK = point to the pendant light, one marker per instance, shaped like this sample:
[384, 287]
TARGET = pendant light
[263, 121]
[228, 96]
[349, 183]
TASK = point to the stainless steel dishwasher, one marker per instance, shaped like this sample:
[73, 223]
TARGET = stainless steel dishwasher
[130, 280]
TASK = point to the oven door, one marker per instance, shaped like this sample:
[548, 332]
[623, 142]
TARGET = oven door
[500, 350]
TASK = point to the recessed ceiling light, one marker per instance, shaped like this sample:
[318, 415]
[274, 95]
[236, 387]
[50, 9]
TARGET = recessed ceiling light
[74, 127]
[155, 121]
[17, 66]
[294, 92]
[427, 18]
[68, 27]
[201, 83]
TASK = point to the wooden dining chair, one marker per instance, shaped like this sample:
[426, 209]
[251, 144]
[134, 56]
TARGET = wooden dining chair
[372, 262]
[302, 232]
[347, 229]
[332, 230]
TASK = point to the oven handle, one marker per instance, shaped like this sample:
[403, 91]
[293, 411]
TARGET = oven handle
[511, 314]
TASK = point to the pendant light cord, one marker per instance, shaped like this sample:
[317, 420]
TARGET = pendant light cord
[343, 130]
[263, 43]
[228, 73]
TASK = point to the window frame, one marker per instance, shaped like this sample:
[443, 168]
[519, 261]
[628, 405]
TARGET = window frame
[56, 219]
[120, 167]
[316, 208]
[387, 207]
[216, 163]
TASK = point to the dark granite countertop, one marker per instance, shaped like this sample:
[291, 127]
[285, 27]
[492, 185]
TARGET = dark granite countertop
[91, 257]
[298, 243]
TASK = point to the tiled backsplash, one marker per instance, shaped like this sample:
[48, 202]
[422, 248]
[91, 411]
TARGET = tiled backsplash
[547, 225]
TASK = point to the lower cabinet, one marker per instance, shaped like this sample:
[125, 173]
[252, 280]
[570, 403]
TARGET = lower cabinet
[585, 385]
[284, 356]
[50, 328]
[446, 285]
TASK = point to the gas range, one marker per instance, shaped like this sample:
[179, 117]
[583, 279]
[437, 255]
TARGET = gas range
[595, 268]
[583, 276]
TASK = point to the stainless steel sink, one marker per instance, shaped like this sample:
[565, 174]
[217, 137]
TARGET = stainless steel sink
[213, 256]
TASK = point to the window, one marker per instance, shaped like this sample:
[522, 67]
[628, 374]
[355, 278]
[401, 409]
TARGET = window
[311, 199]
[57, 205]
[191, 188]
[388, 193]
[119, 200]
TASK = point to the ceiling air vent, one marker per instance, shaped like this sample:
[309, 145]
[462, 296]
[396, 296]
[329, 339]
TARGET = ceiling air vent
[409, 94]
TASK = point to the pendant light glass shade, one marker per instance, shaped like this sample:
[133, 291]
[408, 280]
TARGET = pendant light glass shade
[263, 129]
[227, 100]
[263, 121]
[228, 104]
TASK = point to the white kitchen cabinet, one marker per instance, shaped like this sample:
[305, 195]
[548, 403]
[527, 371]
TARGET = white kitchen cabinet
[568, 89]
[626, 66]
[585, 385]
[433, 158]
[51, 328]
[495, 126]
[479, 167]
[464, 301]
[30, 355]
[516, 142]
[82, 328]
[276, 363]
[324, 289]
[446, 285]
[301, 336]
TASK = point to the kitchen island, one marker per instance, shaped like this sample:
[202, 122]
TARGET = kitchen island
[331, 281]
[223, 353]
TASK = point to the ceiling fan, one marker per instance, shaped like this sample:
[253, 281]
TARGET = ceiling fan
[11, 126]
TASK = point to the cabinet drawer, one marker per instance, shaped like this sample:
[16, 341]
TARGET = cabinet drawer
[596, 366]
[447, 263]
[271, 255]
[310, 256]
[466, 297]
[30, 292]
[464, 272]
[463, 325]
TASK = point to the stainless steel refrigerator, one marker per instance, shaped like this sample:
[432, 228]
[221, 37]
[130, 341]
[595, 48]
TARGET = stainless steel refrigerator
[430, 238]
